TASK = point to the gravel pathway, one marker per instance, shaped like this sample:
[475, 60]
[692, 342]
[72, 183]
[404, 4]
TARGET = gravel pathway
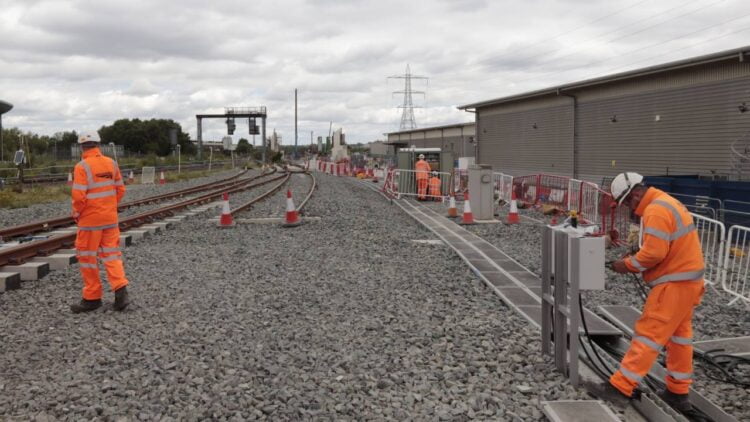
[713, 318]
[12, 217]
[344, 318]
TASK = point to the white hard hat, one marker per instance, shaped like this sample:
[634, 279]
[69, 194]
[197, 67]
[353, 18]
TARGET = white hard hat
[421, 156]
[89, 137]
[623, 183]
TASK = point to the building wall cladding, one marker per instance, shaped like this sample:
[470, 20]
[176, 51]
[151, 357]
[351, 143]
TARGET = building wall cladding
[531, 141]
[455, 139]
[698, 121]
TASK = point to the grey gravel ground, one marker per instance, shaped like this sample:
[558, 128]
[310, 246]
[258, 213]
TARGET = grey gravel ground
[713, 318]
[345, 318]
[11, 217]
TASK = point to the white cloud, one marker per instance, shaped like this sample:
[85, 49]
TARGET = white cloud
[79, 64]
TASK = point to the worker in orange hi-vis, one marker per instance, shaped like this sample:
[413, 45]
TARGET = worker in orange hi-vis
[671, 262]
[423, 175]
[434, 186]
[97, 189]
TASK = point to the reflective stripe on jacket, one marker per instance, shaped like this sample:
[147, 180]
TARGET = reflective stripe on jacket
[96, 191]
[671, 249]
[423, 169]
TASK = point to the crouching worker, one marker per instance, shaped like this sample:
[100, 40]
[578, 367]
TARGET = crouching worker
[97, 189]
[434, 186]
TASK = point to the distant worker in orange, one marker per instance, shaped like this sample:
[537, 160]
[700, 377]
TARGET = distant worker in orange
[671, 262]
[423, 174]
[434, 186]
[97, 189]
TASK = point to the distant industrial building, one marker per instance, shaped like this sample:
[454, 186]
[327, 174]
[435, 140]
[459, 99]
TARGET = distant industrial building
[458, 138]
[688, 117]
[378, 148]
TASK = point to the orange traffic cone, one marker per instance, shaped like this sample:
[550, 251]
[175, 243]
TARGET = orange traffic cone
[452, 211]
[292, 216]
[70, 179]
[513, 217]
[468, 218]
[131, 178]
[226, 215]
[162, 180]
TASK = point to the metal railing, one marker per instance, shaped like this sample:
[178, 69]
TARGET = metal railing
[737, 264]
[712, 236]
[405, 183]
[503, 185]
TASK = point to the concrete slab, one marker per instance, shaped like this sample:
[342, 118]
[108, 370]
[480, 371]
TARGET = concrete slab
[126, 240]
[482, 265]
[58, 261]
[138, 235]
[738, 346]
[9, 281]
[498, 279]
[597, 326]
[526, 278]
[151, 228]
[164, 225]
[578, 410]
[519, 296]
[29, 271]
[624, 317]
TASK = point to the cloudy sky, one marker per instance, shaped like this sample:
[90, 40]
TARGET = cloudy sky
[81, 64]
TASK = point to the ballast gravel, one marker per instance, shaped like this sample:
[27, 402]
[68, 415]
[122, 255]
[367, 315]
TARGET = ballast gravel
[346, 318]
[16, 216]
[714, 318]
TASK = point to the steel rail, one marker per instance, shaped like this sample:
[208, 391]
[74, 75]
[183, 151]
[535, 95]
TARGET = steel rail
[309, 194]
[45, 225]
[21, 253]
[255, 200]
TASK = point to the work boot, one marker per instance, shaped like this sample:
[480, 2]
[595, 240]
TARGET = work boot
[679, 402]
[85, 306]
[606, 391]
[121, 298]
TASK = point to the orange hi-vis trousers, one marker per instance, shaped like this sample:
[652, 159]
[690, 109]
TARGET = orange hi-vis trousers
[106, 245]
[422, 188]
[666, 321]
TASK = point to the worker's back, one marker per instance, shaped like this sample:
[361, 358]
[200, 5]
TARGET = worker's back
[97, 188]
[423, 169]
[672, 236]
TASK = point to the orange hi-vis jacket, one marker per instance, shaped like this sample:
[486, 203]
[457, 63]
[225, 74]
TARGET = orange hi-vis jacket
[671, 248]
[434, 186]
[423, 170]
[97, 189]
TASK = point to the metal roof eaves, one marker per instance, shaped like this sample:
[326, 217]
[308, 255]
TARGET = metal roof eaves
[741, 54]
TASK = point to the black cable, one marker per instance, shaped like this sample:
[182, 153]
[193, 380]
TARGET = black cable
[591, 343]
[726, 363]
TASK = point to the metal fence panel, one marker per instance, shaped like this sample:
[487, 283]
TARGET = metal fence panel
[737, 264]
[404, 183]
[712, 235]
[503, 186]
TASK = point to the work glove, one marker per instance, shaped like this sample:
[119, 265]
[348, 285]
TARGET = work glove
[620, 267]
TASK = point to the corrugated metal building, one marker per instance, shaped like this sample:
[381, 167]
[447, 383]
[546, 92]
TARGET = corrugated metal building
[458, 138]
[677, 118]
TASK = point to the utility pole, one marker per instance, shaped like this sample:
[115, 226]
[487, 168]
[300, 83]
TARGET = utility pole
[407, 116]
[295, 122]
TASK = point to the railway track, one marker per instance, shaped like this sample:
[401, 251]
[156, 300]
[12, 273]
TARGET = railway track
[236, 210]
[43, 247]
[64, 221]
